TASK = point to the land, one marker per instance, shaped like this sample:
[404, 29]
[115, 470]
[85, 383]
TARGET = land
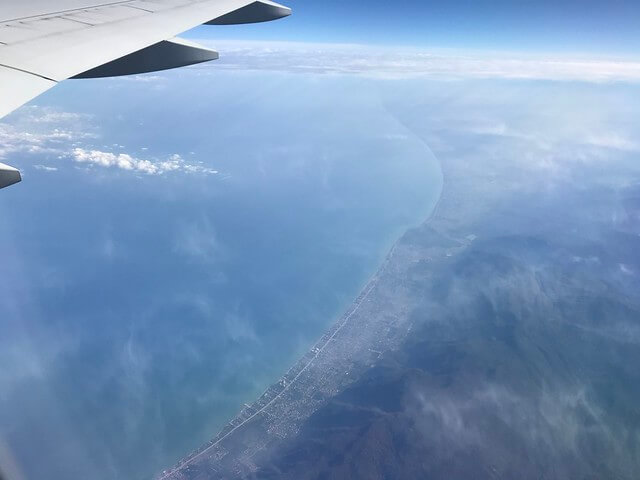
[499, 339]
[350, 347]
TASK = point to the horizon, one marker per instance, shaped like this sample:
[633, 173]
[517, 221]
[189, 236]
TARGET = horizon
[416, 62]
[574, 28]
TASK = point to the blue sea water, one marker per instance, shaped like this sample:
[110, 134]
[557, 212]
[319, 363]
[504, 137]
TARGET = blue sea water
[139, 312]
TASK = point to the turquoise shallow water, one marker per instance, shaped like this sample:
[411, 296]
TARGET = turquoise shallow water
[144, 310]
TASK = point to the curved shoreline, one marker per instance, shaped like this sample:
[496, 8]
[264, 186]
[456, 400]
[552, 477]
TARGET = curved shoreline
[289, 380]
[275, 391]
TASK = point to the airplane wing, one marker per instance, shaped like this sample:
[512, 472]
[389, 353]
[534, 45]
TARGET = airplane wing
[43, 42]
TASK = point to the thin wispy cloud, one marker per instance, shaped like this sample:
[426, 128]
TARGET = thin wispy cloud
[45, 168]
[198, 241]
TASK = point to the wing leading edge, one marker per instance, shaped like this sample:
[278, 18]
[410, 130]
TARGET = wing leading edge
[40, 47]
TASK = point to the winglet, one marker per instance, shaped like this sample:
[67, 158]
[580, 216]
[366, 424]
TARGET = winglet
[164, 55]
[8, 175]
[256, 12]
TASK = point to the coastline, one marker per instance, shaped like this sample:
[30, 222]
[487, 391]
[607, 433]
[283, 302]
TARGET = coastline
[287, 382]
[276, 390]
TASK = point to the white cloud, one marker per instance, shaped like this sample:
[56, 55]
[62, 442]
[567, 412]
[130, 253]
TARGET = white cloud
[626, 269]
[491, 129]
[405, 62]
[143, 78]
[547, 421]
[41, 130]
[613, 141]
[16, 140]
[127, 162]
[396, 136]
[58, 135]
[46, 115]
[45, 168]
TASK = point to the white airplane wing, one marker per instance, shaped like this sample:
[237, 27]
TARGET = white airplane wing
[43, 42]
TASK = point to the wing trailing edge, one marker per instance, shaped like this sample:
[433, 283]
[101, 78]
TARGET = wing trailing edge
[256, 12]
[8, 175]
[41, 45]
[17, 87]
[164, 55]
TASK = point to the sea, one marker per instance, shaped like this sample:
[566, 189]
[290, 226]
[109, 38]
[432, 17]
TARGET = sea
[179, 240]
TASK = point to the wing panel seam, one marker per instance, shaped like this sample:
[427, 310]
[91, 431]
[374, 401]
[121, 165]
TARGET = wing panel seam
[28, 72]
[62, 12]
[139, 8]
[75, 20]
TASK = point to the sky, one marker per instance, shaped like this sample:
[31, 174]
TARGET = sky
[589, 26]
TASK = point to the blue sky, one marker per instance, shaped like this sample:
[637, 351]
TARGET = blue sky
[603, 27]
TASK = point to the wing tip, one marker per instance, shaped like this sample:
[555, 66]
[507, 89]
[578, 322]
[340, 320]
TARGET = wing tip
[257, 12]
[9, 175]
